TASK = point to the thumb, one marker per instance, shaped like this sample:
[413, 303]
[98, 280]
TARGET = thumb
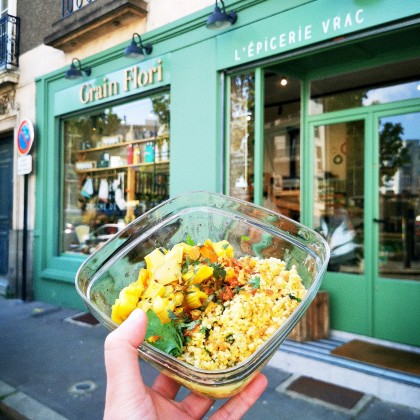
[124, 382]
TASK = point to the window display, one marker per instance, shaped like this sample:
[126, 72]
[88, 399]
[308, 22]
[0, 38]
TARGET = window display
[242, 97]
[116, 167]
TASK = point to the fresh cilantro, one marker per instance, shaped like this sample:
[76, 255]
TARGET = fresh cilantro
[244, 238]
[293, 297]
[205, 331]
[255, 282]
[189, 241]
[219, 272]
[172, 315]
[229, 339]
[170, 340]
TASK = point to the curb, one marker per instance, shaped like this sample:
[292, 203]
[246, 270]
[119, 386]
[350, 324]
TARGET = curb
[16, 405]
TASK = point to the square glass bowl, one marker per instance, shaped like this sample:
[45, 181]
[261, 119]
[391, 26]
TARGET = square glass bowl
[203, 215]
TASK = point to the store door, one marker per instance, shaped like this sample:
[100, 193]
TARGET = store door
[396, 297]
[366, 184]
[6, 194]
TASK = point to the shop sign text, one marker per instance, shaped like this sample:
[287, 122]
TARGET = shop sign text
[132, 78]
[299, 35]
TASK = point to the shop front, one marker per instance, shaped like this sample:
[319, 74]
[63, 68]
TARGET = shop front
[318, 120]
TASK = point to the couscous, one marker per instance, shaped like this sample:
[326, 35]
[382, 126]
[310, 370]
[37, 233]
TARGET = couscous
[208, 308]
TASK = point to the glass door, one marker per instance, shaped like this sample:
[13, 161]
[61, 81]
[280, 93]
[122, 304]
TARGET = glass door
[339, 192]
[397, 279]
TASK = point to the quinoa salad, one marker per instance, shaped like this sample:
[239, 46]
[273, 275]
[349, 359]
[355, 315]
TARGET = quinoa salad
[208, 308]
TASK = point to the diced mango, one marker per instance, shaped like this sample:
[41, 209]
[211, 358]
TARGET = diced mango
[203, 273]
[223, 249]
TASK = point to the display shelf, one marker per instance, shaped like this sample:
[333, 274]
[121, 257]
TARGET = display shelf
[122, 144]
[122, 167]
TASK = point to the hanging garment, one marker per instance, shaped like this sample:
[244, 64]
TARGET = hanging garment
[87, 190]
[103, 190]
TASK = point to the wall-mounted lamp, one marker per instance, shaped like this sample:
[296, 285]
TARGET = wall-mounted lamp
[137, 49]
[283, 81]
[219, 19]
[76, 70]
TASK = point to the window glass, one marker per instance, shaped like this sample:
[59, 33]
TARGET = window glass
[241, 135]
[282, 145]
[354, 98]
[115, 167]
[339, 192]
[399, 204]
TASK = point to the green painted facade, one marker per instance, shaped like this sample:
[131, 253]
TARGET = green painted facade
[310, 39]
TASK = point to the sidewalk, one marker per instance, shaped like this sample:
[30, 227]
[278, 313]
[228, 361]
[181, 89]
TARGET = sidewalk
[51, 368]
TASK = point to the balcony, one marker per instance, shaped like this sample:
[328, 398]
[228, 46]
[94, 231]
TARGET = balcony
[85, 20]
[9, 60]
[9, 42]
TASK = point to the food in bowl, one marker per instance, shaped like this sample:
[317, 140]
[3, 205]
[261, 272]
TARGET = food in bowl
[252, 231]
[208, 308]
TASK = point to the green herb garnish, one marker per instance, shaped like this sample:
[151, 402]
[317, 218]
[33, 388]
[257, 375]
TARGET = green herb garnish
[293, 297]
[255, 282]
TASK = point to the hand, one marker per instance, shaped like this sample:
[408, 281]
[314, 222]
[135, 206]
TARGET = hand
[127, 397]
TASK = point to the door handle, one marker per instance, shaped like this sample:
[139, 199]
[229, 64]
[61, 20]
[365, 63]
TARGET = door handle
[379, 220]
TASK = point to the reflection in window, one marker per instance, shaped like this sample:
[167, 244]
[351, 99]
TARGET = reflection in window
[339, 192]
[241, 135]
[282, 145]
[115, 167]
[328, 102]
[399, 204]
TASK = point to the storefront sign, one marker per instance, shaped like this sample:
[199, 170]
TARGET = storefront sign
[305, 25]
[25, 137]
[132, 78]
[136, 78]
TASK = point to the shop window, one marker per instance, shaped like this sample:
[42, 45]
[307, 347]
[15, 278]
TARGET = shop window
[241, 130]
[326, 98]
[281, 149]
[115, 167]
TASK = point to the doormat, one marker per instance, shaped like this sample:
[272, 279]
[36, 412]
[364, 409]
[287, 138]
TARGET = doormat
[85, 319]
[328, 393]
[385, 357]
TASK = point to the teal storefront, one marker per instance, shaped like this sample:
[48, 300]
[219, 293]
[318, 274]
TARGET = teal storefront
[310, 108]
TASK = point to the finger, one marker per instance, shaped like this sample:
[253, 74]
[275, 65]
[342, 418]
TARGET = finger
[238, 405]
[121, 358]
[166, 386]
[196, 406]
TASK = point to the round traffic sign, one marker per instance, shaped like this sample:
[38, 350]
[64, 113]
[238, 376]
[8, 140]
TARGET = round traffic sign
[25, 137]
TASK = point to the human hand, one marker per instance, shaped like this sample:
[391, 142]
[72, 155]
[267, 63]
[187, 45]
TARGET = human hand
[127, 397]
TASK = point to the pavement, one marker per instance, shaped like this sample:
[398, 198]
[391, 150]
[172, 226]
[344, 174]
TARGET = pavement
[52, 368]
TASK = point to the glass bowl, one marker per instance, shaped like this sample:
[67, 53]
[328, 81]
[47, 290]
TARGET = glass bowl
[200, 216]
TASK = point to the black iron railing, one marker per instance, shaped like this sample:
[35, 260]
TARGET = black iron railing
[68, 7]
[9, 41]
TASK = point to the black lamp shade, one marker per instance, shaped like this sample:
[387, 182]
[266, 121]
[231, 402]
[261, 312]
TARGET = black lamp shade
[73, 72]
[137, 49]
[220, 19]
[76, 71]
[134, 51]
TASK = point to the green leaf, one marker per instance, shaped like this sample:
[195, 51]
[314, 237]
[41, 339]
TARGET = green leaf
[170, 340]
[244, 238]
[255, 282]
[189, 241]
[293, 297]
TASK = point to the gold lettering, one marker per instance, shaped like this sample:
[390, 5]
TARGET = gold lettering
[159, 70]
[113, 88]
[143, 78]
[84, 98]
[127, 79]
[98, 91]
